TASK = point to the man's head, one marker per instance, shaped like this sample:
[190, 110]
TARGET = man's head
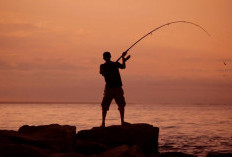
[106, 56]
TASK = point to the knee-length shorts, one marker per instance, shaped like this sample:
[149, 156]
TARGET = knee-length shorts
[113, 93]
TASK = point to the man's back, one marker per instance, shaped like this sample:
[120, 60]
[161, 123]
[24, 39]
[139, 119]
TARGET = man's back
[113, 88]
[111, 74]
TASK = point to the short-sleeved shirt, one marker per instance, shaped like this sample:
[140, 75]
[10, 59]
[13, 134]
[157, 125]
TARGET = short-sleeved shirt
[110, 71]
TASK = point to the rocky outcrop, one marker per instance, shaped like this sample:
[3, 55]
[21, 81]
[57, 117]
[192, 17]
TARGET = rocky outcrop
[57, 140]
[145, 136]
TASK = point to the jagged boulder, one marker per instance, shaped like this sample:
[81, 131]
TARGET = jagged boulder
[145, 136]
[56, 137]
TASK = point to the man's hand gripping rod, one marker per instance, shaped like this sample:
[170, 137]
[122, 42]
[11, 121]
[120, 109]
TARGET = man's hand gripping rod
[123, 55]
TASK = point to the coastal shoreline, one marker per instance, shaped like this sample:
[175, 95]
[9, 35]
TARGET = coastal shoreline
[54, 140]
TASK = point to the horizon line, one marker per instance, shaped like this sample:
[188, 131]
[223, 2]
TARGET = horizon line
[52, 102]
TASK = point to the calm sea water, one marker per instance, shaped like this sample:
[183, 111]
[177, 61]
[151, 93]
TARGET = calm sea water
[195, 129]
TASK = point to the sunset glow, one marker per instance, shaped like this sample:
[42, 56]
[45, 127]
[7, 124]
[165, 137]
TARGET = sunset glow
[51, 50]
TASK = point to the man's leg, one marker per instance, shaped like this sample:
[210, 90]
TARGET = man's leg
[122, 115]
[120, 100]
[104, 112]
[106, 101]
[122, 111]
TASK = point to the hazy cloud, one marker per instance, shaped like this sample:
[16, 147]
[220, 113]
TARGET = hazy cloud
[15, 27]
[42, 65]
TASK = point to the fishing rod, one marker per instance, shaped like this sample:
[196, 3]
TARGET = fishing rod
[167, 24]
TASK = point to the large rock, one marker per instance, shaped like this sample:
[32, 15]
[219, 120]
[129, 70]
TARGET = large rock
[145, 136]
[56, 137]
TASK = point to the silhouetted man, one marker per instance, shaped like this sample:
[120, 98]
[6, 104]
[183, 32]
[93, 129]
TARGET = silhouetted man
[113, 87]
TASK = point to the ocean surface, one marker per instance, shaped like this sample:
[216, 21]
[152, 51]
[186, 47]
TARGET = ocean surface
[195, 129]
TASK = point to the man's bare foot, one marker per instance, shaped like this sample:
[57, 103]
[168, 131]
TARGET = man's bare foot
[102, 125]
[125, 123]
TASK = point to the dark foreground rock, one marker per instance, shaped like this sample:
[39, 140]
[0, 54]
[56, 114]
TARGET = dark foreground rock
[62, 140]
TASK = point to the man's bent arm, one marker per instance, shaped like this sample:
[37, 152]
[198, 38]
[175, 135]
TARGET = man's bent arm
[123, 65]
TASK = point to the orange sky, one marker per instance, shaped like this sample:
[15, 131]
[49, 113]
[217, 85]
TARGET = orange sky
[50, 50]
